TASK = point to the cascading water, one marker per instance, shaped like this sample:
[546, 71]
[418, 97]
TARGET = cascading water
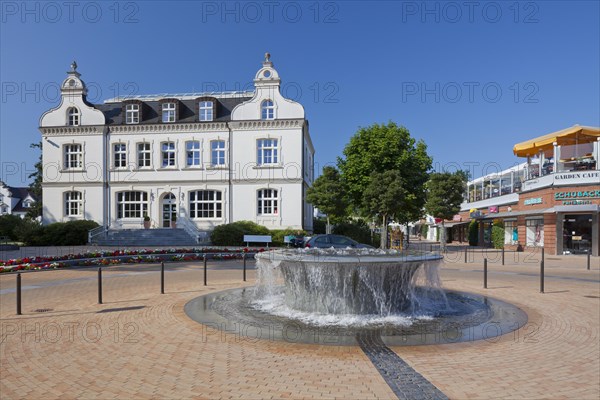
[348, 287]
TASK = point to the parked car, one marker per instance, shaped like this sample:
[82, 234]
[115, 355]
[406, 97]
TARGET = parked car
[337, 241]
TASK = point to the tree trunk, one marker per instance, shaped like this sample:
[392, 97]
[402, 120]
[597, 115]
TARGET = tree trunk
[443, 238]
[328, 227]
[407, 233]
[384, 241]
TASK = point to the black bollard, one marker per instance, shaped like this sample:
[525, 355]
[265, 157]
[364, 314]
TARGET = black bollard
[542, 276]
[19, 293]
[466, 254]
[589, 254]
[162, 278]
[485, 273]
[502, 255]
[100, 285]
[244, 257]
[205, 270]
[543, 258]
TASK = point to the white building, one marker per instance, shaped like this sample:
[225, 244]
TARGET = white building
[15, 200]
[205, 158]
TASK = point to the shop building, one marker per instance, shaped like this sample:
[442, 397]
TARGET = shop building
[551, 200]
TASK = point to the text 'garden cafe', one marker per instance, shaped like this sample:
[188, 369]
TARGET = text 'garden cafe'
[551, 200]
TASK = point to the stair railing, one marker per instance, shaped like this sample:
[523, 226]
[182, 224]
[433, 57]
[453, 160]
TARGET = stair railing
[190, 227]
[92, 233]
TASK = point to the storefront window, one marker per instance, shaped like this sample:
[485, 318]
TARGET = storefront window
[511, 233]
[535, 232]
[577, 234]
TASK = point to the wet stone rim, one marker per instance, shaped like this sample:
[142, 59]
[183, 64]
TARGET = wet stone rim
[492, 318]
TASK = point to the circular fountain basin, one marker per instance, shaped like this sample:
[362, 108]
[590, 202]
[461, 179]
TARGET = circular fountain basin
[351, 281]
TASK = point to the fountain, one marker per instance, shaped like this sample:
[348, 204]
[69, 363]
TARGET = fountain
[329, 296]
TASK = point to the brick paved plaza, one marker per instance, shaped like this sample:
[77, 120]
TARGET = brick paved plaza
[141, 344]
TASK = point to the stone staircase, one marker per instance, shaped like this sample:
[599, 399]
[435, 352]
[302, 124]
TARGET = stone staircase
[145, 237]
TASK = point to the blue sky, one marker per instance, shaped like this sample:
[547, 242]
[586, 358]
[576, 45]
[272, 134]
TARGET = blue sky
[469, 78]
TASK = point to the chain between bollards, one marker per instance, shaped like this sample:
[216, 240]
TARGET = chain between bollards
[542, 276]
[244, 258]
[205, 277]
[19, 293]
[162, 278]
[485, 273]
[99, 285]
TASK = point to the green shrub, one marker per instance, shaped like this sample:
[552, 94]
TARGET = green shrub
[424, 230]
[72, 233]
[8, 224]
[357, 230]
[29, 232]
[473, 233]
[278, 235]
[498, 234]
[233, 234]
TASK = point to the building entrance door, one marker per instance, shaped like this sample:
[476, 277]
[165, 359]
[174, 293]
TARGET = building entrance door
[169, 210]
[577, 234]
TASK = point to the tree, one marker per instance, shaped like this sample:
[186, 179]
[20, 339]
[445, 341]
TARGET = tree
[381, 148]
[35, 187]
[444, 196]
[328, 194]
[385, 196]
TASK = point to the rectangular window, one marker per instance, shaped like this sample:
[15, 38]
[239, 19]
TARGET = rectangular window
[168, 112]
[206, 111]
[73, 156]
[535, 232]
[217, 152]
[266, 151]
[120, 155]
[268, 203]
[511, 233]
[132, 204]
[193, 153]
[132, 114]
[206, 204]
[168, 154]
[73, 206]
[144, 155]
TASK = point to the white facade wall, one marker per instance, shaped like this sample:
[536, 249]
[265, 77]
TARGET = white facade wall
[99, 179]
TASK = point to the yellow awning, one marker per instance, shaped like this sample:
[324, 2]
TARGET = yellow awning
[576, 134]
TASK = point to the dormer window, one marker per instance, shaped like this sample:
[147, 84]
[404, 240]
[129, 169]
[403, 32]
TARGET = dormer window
[268, 110]
[73, 116]
[132, 114]
[168, 112]
[206, 110]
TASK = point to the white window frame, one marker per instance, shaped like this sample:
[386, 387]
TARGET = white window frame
[73, 116]
[168, 112]
[73, 156]
[168, 157]
[132, 113]
[202, 206]
[196, 153]
[73, 201]
[132, 204]
[119, 155]
[267, 109]
[267, 151]
[221, 154]
[206, 110]
[144, 155]
[535, 232]
[267, 202]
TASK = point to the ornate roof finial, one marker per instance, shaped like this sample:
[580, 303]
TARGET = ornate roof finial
[267, 57]
[74, 66]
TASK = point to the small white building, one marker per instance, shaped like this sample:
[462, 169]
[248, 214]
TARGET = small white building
[203, 159]
[15, 200]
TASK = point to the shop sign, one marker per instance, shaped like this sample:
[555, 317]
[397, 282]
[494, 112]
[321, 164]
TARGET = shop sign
[573, 198]
[457, 218]
[533, 200]
[493, 209]
[576, 175]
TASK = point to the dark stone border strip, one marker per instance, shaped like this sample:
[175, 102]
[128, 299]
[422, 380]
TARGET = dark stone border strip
[405, 382]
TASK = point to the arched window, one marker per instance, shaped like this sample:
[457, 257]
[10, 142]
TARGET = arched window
[268, 110]
[268, 202]
[73, 116]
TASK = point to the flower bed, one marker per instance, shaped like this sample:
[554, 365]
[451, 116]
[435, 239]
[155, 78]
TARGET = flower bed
[117, 257]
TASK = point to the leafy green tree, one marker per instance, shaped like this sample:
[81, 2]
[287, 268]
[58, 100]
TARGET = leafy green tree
[444, 196]
[380, 148]
[328, 194]
[385, 196]
[36, 185]
[473, 233]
